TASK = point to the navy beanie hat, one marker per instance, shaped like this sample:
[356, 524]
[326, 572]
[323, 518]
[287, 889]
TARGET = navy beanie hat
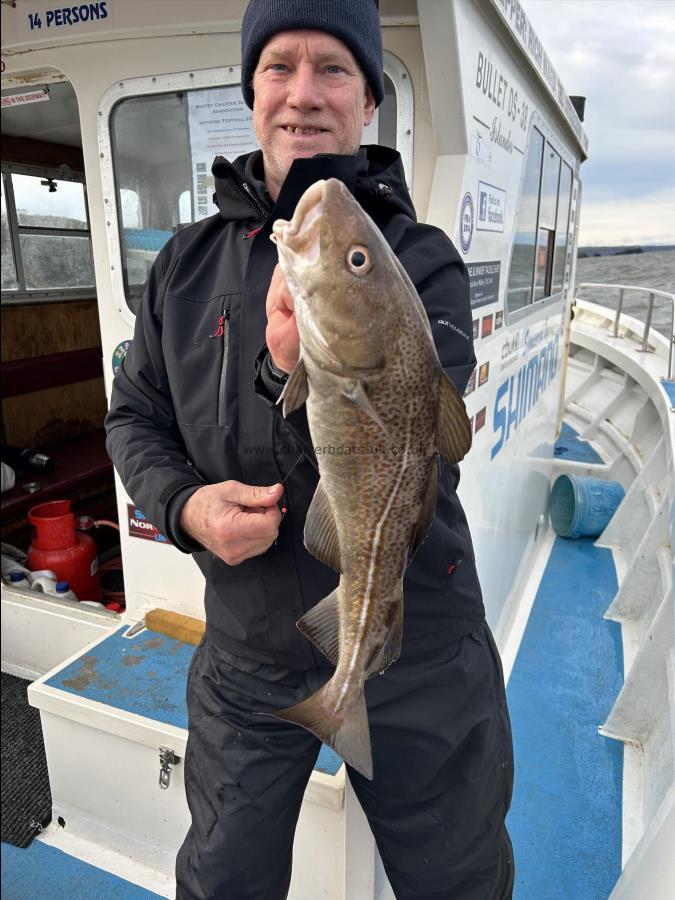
[355, 22]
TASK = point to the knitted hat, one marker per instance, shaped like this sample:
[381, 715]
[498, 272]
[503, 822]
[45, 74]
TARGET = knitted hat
[355, 22]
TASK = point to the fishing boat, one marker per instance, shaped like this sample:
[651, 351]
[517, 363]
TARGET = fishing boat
[112, 114]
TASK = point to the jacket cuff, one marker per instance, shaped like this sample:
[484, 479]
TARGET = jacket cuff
[177, 535]
[267, 384]
[268, 387]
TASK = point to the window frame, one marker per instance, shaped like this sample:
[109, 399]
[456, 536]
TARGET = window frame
[223, 76]
[566, 158]
[21, 296]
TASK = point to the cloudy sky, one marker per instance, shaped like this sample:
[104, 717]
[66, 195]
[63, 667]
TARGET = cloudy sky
[620, 55]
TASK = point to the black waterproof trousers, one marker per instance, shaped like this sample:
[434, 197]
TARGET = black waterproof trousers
[443, 766]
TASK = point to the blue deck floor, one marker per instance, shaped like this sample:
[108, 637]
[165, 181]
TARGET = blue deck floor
[570, 446]
[44, 871]
[669, 388]
[565, 819]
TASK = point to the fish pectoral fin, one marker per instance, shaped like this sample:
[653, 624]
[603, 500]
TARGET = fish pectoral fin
[427, 511]
[356, 392]
[321, 537]
[347, 732]
[296, 389]
[453, 429]
[390, 651]
[322, 626]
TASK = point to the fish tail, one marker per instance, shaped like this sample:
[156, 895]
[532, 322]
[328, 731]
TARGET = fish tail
[346, 732]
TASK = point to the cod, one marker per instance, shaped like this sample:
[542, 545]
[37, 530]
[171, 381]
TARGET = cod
[380, 409]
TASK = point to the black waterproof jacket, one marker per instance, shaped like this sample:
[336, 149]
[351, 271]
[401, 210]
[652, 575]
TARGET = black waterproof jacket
[193, 404]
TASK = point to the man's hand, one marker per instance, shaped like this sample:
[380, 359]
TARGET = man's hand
[233, 520]
[282, 338]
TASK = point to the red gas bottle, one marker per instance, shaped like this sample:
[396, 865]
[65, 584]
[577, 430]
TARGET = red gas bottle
[56, 545]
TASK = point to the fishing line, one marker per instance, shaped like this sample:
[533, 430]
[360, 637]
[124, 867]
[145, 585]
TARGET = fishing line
[288, 474]
[284, 501]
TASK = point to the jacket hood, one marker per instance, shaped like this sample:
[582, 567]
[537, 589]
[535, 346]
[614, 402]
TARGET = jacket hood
[374, 175]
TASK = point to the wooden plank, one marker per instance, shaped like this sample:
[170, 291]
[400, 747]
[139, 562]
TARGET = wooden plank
[40, 329]
[23, 376]
[55, 414]
[175, 625]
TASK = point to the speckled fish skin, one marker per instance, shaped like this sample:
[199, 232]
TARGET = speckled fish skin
[379, 409]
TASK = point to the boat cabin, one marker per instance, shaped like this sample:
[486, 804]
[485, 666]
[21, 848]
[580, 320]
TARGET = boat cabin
[112, 114]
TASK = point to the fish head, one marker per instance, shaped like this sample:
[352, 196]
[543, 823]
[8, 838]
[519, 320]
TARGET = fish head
[340, 271]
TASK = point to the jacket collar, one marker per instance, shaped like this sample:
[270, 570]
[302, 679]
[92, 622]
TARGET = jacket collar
[374, 175]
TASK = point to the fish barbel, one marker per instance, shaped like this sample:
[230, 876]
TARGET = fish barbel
[380, 408]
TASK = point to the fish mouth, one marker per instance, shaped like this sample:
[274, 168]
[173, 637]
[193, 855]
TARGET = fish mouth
[299, 241]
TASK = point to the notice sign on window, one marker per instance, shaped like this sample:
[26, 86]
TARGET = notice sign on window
[220, 124]
[483, 282]
[24, 98]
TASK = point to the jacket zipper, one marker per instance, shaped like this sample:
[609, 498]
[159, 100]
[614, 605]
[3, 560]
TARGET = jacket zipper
[223, 369]
[248, 195]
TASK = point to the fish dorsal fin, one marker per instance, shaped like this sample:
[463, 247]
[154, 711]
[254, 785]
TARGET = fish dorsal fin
[453, 434]
[322, 626]
[427, 511]
[391, 649]
[296, 389]
[321, 537]
[356, 392]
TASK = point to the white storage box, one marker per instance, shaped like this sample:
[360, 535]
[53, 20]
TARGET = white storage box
[114, 718]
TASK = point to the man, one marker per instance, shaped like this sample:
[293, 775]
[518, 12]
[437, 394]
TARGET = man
[201, 447]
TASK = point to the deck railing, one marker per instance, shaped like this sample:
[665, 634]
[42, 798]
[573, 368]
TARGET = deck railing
[653, 294]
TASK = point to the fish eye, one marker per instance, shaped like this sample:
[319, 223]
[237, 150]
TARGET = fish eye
[358, 259]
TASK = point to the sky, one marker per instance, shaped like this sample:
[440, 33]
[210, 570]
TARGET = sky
[620, 55]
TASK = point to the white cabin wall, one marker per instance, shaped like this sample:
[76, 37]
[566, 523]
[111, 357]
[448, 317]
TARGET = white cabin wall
[504, 496]
[442, 79]
[123, 20]
[405, 43]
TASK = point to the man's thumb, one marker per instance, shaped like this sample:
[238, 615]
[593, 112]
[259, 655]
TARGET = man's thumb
[256, 495]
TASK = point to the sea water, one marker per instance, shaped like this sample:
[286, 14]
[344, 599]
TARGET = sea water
[652, 270]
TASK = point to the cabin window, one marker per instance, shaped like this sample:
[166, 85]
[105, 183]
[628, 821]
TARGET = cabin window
[46, 244]
[384, 127]
[523, 254]
[538, 256]
[9, 281]
[184, 208]
[548, 208]
[562, 227]
[163, 147]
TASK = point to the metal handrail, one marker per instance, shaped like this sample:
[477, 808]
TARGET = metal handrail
[653, 293]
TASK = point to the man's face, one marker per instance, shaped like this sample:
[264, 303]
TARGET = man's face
[310, 96]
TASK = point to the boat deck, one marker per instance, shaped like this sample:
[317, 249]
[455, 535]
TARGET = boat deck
[565, 819]
[566, 816]
[41, 870]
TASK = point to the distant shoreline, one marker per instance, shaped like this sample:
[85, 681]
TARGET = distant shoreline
[625, 250]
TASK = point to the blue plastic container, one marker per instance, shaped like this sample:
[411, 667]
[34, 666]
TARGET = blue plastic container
[582, 507]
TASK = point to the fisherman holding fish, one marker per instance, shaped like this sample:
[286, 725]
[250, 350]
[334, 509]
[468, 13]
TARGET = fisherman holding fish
[290, 413]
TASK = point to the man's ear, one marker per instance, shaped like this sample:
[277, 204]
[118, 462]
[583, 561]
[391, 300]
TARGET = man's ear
[368, 106]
